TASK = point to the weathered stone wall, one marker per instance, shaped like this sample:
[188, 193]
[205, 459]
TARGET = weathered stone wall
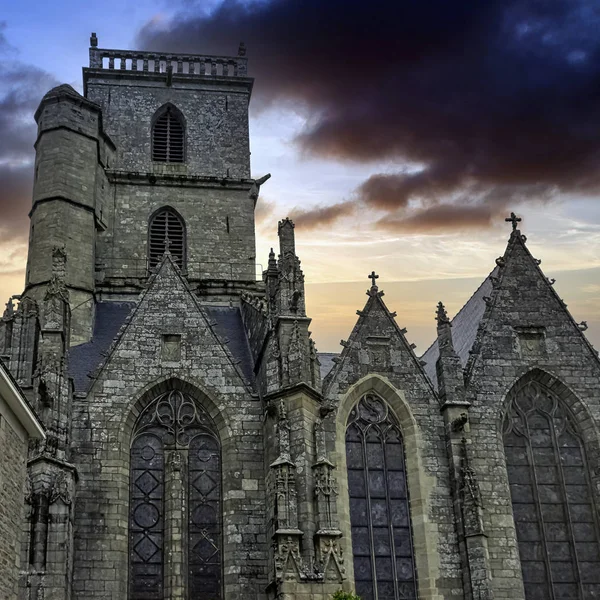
[523, 305]
[137, 372]
[219, 225]
[13, 450]
[377, 358]
[216, 121]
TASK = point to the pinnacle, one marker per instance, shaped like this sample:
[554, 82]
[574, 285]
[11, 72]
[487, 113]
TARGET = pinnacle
[441, 315]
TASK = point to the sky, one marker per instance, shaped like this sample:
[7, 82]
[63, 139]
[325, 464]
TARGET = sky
[399, 135]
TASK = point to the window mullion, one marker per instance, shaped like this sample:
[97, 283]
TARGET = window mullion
[563, 489]
[369, 514]
[538, 505]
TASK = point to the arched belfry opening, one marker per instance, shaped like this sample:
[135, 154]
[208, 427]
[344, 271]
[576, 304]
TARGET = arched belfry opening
[168, 135]
[166, 231]
[175, 508]
[382, 545]
[555, 511]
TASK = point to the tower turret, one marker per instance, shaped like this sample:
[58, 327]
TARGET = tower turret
[68, 197]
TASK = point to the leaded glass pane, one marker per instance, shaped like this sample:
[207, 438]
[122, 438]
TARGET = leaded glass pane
[174, 424]
[556, 519]
[379, 509]
[204, 519]
[146, 518]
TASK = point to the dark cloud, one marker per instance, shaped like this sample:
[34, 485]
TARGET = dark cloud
[492, 94]
[440, 218]
[321, 216]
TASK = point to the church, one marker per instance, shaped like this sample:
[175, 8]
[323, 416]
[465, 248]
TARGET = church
[198, 447]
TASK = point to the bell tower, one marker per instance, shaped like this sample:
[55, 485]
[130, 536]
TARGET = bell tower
[180, 177]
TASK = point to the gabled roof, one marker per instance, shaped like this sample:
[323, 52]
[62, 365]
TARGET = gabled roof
[86, 358]
[326, 362]
[464, 329]
[230, 330]
[86, 361]
[16, 401]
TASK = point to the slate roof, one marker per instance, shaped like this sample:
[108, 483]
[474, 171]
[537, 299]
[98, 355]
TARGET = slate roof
[464, 329]
[326, 360]
[229, 326]
[110, 316]
[85, 358]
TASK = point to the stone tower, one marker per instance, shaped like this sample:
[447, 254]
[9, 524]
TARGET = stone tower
[198, 447]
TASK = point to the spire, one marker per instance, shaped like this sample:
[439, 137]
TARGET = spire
[442, 316]
[272, 268]
[444, 331]
[448, 366]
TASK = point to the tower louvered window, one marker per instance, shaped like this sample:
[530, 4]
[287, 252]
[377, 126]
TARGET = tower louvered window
[168, 138]
[167, 230]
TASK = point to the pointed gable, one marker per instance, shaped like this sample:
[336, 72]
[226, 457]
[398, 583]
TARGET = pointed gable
[376, 345]
[525, 320]
[169, 328]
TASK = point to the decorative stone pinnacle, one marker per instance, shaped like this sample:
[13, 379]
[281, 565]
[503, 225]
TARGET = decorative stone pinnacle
[514, 220]
[287, 221]
[441, 315]
[167, 245]
[93, 40]
[242, 49]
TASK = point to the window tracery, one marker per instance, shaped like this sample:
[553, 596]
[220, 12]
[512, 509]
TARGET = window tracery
[174, 426]
[555, 512]
[379, 508]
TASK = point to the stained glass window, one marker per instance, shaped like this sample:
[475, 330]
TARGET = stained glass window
[379, 507]
[175, 424]
[555, 514]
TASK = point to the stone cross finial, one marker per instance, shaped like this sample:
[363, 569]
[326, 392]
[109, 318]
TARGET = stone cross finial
[514, 220]
[373, 276]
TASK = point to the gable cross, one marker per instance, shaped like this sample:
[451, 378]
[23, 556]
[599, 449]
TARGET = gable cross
[514, 220]
[373, 276]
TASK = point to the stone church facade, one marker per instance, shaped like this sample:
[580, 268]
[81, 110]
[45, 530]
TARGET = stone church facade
[198, 447]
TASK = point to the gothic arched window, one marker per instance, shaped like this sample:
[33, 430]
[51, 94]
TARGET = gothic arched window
[175, 494]
[379, 508]
[166, 230]
[168, 136]
[552, 497]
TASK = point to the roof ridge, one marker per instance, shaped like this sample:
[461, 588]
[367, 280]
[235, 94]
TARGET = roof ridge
[462, 308]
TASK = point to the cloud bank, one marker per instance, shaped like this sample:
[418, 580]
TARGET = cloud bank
[489, 103]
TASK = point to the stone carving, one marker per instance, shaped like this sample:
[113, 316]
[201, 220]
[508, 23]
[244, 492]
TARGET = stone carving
[62, 489]
[255, 189]
[331, 559]
[289, 565]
